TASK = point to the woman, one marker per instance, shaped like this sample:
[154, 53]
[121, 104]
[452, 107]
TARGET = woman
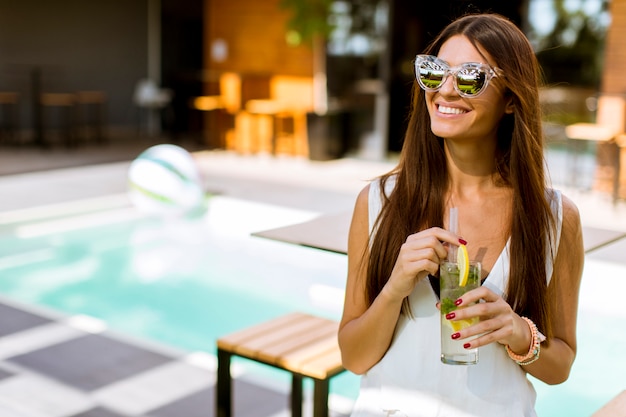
[474, 141]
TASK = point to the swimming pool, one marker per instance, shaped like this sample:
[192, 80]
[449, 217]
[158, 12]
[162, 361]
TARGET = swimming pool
[180, 282]
[185, 283]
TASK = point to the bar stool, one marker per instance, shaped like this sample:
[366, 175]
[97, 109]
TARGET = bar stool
[90, 115]
[59, 106]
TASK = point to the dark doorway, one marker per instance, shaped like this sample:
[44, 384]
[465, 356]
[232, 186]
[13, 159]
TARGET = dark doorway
[182, 51]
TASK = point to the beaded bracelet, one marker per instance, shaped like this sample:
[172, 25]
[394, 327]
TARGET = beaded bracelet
[535, 346]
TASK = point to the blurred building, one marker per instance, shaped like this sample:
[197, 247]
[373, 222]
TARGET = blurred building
[151, 60]
[106, 46]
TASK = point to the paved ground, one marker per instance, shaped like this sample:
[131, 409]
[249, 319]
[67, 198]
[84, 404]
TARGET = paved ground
[56, 366]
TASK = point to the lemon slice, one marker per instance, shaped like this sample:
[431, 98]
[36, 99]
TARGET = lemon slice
[458, 325]
[462, 260]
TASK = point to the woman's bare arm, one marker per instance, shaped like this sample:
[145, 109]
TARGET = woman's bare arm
[556, 361]
[365, 332]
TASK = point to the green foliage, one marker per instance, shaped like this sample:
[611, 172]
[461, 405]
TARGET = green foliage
[309, 18]
[573, 51]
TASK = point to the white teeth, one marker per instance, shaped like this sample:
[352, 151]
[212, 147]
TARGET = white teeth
[451, 110]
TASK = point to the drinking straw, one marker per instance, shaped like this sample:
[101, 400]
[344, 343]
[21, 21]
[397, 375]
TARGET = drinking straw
[453, 226]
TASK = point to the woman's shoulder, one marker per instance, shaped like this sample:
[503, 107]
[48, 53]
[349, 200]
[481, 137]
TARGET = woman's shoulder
[571, 214]
[566, 205]
[384, 183]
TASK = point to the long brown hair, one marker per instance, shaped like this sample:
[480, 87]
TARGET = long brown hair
[417, 201]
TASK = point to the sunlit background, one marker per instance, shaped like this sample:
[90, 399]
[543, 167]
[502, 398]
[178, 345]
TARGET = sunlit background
[287, 107]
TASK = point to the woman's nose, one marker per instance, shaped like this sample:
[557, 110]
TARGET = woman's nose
[447, 88]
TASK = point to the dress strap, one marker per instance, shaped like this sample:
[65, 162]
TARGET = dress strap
[556, 203]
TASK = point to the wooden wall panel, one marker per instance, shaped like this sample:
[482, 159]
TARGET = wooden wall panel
[254, 33]
[613, 80]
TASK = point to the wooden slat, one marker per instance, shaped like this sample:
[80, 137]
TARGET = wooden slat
[324, 366]
[230, 341]
[295, 360]
[252, 347]
[298, 342]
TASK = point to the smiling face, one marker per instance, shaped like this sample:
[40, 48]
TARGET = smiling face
[456, 117]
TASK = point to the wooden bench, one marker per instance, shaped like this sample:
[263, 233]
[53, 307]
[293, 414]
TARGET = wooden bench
[299, 343]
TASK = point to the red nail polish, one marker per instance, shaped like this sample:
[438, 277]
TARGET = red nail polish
[450, 316]
[456, 335]
[467, 345]
[463, 241]
[458, 302]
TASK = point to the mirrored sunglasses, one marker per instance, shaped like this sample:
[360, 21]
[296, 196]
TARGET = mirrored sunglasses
[470, 79]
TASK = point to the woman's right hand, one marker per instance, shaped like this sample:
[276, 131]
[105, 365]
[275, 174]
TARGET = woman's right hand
[367, 328]
[419, 255]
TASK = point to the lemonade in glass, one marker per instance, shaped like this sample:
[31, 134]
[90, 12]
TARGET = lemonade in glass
[454, 282]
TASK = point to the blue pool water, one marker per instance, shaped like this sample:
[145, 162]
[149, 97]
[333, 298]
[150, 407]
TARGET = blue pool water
[185, 283]
[180, 282]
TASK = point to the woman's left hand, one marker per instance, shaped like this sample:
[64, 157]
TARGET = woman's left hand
[498, 322]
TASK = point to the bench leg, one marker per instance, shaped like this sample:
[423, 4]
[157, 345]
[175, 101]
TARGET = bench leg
[296, 395]
[223, 396]
[320, 398]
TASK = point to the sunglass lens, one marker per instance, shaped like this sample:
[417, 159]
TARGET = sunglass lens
[471, 81]
[431, 77]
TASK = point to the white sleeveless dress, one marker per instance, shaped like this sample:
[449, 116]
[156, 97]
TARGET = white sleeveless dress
[412, 380]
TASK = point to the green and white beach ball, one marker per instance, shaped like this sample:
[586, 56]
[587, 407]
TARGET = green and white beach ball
[165, 180]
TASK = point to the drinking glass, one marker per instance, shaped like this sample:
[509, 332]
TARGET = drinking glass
[452, 351]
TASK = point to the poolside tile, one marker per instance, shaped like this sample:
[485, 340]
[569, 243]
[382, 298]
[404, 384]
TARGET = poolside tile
[15, 320]
[36, 338]
[198, 404]
[613, 252]
[5, 374]
[595, 238]
[90, 362]
[249, 400]
[6, 410]
[154, 388]
[32, 395]
[98, 412]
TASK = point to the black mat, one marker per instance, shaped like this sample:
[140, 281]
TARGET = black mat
[14, 320]
[91, 361]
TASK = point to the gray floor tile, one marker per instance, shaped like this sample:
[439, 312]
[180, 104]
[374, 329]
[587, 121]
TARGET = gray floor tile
[614, 252]
[14, 320]
[199, 404]
[595, 238]
[249, 400]
[5, 374]
[98, 412]
[153, 388]
[252, 400]
[90, 362]
[36, 338]
[32, 395]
